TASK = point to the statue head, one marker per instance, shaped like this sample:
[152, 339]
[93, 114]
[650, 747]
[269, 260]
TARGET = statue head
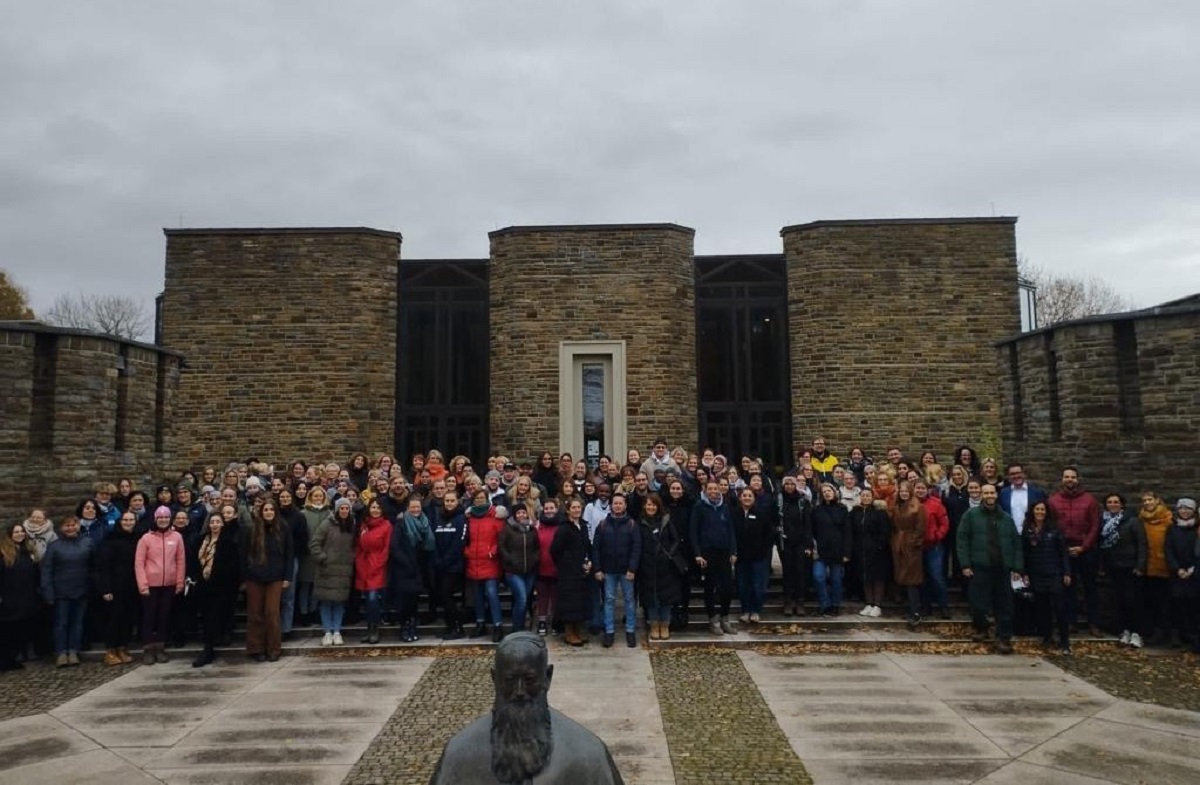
[521, 738]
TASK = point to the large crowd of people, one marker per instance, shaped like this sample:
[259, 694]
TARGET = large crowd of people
[372, 539]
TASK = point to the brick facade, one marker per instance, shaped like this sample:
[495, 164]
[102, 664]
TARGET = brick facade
[892, 325]
[632, 283]
[78, 407]
[290, 339]
[1116, 396]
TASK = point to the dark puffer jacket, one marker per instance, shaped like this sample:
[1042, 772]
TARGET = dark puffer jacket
[520, 550]
[66, 568]
[832, 533]
[1046, 558]
[617, 546]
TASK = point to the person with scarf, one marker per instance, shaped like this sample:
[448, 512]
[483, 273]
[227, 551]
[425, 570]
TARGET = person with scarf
[39, 532]
[316, 511]
[411, 542]
[214, 568]
[520, 555]
[1182, 560]
[714, 544]
[1156, 519]
[160, 566]
[19, 599]
[1122, 546]
[266, 562]
[371, 565]
[571, 550]
[1047, 572]
[116, 583]
[481, 552]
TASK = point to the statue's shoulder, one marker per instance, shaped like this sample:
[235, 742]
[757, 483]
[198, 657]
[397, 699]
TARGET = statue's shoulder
[466, 755]
[589, 762]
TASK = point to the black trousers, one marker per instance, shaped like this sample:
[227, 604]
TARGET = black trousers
[718, 583]
[216, 612]
[1049, 605]
[1156, 608]
[449, 584]
[1127, 595]
[118, 623]
[156, 614]
[14, 637]
[795, 571]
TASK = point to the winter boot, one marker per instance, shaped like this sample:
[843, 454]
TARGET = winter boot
[111, 657]
[714, 625]
[664, 631]
[206, 657]
[160, 654]
[727, 626]
[497, 633]
[123, 653]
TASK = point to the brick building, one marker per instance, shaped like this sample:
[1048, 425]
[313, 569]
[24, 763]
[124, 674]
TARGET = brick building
[592, 338]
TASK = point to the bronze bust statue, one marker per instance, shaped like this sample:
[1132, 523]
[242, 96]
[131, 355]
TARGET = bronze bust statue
[524, 741]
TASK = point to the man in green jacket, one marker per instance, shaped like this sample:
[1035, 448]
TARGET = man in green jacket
[990, 552]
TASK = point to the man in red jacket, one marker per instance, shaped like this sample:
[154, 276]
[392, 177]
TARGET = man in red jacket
[1078, 515]
[937, 526]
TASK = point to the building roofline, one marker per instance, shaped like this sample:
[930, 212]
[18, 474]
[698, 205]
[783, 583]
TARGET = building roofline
[663, 227]
[738, 257]
[851, 222]
[1153, 312]
[238, 231]
[34, 326]
[483, 260]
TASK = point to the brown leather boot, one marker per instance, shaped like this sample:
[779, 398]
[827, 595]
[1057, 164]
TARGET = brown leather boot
[664, 630]
[111, 657]
[125, 656]
[571, 634]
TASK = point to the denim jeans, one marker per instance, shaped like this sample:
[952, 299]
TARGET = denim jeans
[331, 615]
[487, 591]
[521, 587]
[611, 582]
[373, 600]
[752, 584]
[834, 572]
[287, 605]
[934, 588]
[68, 624]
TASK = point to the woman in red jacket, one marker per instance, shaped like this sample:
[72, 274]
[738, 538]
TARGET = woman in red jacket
[481, 551]
[160, 566]
[547, 577]
[937, 526]
[370, 565]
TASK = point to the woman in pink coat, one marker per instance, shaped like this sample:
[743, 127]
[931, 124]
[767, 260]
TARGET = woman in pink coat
[160, 569]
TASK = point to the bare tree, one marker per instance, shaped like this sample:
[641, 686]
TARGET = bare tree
[1061, 298]
[14, 302]
[112, 314]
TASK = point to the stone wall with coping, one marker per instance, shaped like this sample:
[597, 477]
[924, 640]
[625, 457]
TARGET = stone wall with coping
[630, 282]
[892, 325]
[290, 339]
[79, 407]
[1118, 396]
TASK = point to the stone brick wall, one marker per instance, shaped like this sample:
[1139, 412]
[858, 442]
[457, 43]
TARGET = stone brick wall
[290, 339]
[631, 282]
[78, 407]
[1116, 396]
[892, 325]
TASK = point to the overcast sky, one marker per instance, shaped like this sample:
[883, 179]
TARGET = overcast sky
[445, 120]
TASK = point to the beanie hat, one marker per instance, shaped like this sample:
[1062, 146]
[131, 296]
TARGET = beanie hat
[1186, 502]
[342, 502]
[493, 474]
[163, 511]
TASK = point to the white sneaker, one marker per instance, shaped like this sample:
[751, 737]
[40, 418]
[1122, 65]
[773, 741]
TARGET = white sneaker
[754, 617]
[876, 611]
[1135, 641]
[744, 618]
[1125, 637]
[866, 611]
[327, 640]
[337, 639]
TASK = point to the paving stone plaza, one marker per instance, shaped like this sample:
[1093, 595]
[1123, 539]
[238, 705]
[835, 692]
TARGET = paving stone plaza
[687, 715]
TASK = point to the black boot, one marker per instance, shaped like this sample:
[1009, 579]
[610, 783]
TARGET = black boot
[497, 633]
[453, 632]
[206, 657]
[480, 628]
[372, 635]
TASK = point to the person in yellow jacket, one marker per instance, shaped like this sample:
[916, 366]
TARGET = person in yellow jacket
[822, 461]
[1156, 517]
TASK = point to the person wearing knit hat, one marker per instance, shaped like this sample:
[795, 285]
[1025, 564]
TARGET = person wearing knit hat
[160, 570]
[1182, 559]
[1186, 503]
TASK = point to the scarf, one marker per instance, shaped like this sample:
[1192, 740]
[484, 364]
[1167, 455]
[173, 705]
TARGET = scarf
[479, 510]
[1110, 532]
[208, 549]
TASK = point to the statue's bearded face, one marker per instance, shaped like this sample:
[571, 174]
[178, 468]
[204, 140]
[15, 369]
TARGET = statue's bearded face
[521, 739]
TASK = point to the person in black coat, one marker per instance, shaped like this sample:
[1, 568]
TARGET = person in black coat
[1047, 572]
[871, 528]
[19, 597]
[214, 569]
[1122, 546]
[1180, 551]
[266, 559]
[677, 503]
[572, 553]
[660, 575]
[449, 525]
[116, 584]
[755, 531]
[795, 544]
[833, 539]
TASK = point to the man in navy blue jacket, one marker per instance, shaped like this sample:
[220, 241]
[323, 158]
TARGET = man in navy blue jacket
[617, 550]
[1017, 496]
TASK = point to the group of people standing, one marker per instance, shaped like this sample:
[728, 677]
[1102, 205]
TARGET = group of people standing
[569, 540]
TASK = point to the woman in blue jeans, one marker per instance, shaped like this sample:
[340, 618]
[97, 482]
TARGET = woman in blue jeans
[66, 570]
[520, 555]
[832, 536]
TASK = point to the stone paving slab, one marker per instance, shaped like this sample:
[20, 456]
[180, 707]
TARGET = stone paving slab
[1021, 773]
[1186, 723]
[96, 767]
[1121, 753]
